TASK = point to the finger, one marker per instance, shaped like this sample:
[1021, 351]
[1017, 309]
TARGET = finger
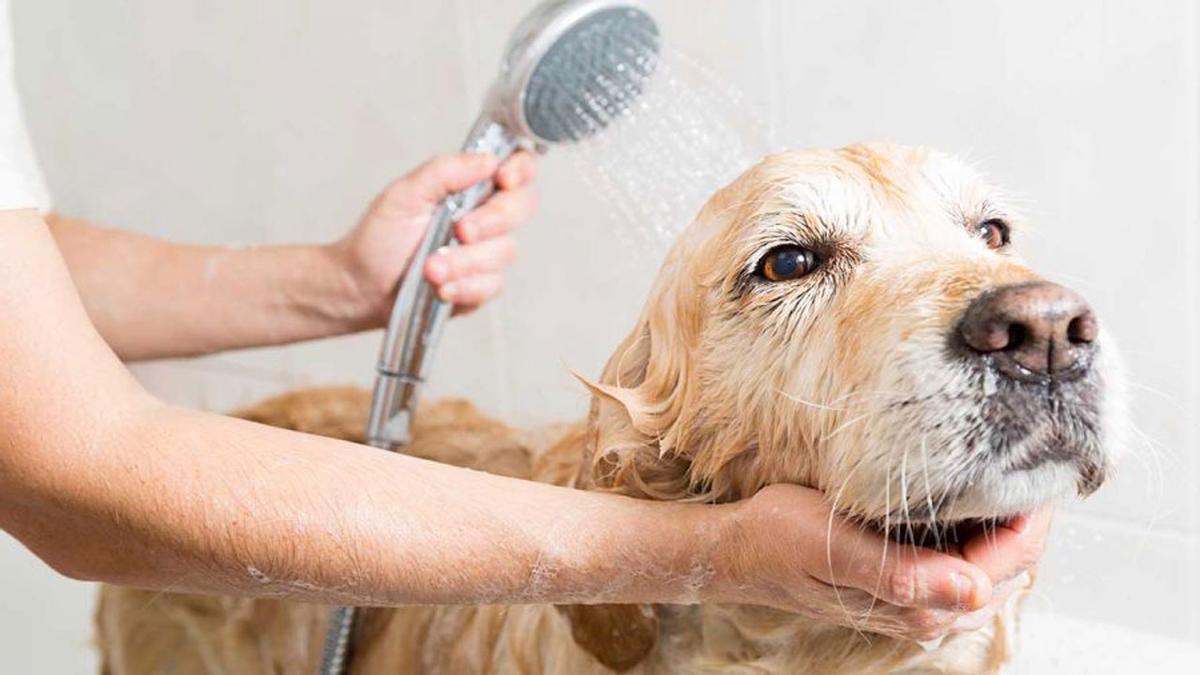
[1001, 595]
[444, 174]
[472, 291]
[456, 263]
[497, 216]
[898, 574]
[518, 171]
[973, 621]
[1010, 549]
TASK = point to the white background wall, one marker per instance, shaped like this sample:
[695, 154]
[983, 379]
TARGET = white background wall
[267, 121]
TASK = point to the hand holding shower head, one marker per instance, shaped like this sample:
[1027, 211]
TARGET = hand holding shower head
[570, 68]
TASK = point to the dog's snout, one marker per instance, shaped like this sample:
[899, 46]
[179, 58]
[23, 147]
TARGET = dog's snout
[1031, 330]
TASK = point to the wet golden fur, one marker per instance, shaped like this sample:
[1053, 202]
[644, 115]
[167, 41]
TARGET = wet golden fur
[725, 385]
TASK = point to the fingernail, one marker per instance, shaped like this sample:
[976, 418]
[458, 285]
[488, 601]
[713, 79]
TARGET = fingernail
[437, 269]
[964, 590]
[448, 291]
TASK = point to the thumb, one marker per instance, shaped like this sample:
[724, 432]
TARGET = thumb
[444, 174]
[1009, 549]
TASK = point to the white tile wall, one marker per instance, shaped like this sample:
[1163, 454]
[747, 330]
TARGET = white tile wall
[276, 120]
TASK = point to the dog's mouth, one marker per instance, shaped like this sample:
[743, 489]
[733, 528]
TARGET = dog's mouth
[943, 536]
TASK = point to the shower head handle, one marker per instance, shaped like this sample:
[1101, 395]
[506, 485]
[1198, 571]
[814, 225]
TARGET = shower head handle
[563, 57]
[418, 315]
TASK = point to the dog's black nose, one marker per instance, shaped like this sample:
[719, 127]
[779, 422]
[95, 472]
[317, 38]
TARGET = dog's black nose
[1031, 330]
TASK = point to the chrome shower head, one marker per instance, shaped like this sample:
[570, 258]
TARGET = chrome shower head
[571, 66]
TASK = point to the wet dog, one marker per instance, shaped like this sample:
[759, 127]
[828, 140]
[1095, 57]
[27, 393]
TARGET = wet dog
[853, 320]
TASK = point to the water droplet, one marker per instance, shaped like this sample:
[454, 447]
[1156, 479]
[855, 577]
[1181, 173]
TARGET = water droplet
[931, 645]
[989, 382]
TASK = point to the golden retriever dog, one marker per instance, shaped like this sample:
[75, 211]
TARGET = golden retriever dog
[851, 320]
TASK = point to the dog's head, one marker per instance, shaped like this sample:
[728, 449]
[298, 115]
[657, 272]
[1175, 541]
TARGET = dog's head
[859, 321]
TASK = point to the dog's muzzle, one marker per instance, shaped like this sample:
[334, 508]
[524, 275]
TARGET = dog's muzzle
[1037, 342]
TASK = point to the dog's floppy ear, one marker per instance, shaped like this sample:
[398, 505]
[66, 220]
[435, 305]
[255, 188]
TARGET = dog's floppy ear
[642, 407]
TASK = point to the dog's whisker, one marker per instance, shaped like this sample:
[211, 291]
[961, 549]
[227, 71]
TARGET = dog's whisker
[842, 427]
[912, 538]
[1166, 398]
[829, 554]
[832, 405]
[933, 519]
[818, 406]
[1152, 460]
[887, 499]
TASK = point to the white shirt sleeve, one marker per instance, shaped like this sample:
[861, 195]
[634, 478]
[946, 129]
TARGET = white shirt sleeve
[21, 182]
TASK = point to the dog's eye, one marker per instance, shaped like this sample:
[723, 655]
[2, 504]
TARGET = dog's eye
[993, 232]
[787, 262]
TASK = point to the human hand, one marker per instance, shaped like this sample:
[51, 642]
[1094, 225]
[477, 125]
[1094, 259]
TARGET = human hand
[785, 549]
[1008, 554]
[377, 252]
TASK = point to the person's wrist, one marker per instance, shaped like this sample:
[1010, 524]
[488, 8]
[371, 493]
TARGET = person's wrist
[728, 544]
[354, 297]
[762, 540]
[643, 551]
[695, 548]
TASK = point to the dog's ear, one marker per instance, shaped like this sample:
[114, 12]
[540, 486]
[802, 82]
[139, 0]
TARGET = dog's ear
[618, 636]
[639, 417]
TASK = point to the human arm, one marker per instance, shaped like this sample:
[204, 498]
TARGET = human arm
[105, 483]
[151, 298]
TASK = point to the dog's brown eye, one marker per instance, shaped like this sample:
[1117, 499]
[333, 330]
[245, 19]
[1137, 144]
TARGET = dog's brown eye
[784, 263]
[994, 232]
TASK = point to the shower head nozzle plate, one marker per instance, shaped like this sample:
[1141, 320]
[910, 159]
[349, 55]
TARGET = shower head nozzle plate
[575, 65]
